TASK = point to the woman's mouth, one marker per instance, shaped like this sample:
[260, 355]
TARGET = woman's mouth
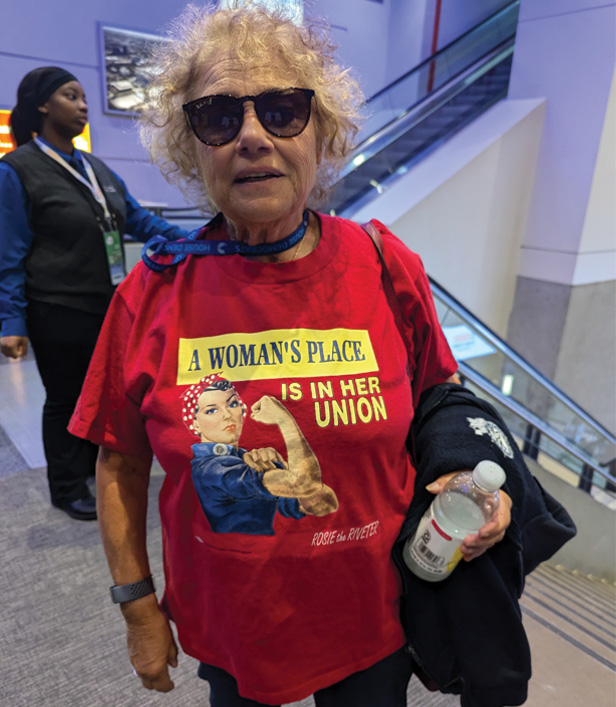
[256, 177]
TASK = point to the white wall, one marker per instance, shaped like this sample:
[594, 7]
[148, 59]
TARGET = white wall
[565, 53]
[597, 257]
[464, 208]
[35, 33]
[410, 35]
[564, 308]
[458, 16]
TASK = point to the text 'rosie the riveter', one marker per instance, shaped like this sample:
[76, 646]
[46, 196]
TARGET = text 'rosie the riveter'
[329, 537]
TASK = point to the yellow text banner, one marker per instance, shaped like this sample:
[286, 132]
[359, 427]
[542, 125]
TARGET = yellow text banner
[277, 354]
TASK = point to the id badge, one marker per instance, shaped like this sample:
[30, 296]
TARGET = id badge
[114, 256]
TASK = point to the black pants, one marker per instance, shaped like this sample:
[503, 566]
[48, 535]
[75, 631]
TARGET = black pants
[382, 685]
[63, 340]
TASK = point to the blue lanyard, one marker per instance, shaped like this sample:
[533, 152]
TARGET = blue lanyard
[159, 245]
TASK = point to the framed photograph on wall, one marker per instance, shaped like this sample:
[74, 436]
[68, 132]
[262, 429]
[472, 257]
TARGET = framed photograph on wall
[126, 67]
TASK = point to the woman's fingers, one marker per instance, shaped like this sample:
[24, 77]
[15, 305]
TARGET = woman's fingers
[14, 346]
[438, 485]
[490, 533]
[152, 649]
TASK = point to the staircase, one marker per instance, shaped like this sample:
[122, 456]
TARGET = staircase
[570, 619]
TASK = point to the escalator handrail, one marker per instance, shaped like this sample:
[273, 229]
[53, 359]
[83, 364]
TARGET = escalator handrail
[424, 107]
[505, 348]
[446, 48]
[517, 409]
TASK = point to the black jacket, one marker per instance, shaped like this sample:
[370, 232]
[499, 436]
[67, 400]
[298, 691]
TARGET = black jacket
[465, 633]
[67, 261]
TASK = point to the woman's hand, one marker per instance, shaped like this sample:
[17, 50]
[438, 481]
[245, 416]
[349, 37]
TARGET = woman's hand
[270, 411]
[489, 534]
[264, 459]
[152, 649]
[14, 346]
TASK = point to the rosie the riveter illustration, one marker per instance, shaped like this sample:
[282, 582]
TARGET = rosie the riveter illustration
[241, 491]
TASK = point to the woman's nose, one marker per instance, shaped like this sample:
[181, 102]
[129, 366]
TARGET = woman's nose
[252, 135]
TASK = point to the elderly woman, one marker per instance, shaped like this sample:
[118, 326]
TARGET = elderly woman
[252, 114]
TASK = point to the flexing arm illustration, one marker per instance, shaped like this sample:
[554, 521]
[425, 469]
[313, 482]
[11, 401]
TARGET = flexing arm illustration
[300, 476]
[239, 490]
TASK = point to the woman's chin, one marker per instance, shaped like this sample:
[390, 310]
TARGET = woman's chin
[271, 212]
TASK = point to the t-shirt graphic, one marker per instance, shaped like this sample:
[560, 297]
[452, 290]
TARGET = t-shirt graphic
[241, 491]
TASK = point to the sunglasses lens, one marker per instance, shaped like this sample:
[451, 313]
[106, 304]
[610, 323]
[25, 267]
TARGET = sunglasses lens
[284, 113]
[217, 120]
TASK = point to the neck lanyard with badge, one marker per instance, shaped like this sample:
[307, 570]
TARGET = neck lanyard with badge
[111, 235]
[159, 245]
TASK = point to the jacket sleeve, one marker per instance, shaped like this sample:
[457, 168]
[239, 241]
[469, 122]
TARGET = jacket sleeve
[15, 241]
[142, 224]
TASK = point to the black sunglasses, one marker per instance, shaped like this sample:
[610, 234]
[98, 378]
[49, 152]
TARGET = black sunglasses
[216, 120]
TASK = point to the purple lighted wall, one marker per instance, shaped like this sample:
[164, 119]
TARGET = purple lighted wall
[380, 40]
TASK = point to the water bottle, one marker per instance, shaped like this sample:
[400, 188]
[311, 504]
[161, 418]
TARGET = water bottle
[468, 501]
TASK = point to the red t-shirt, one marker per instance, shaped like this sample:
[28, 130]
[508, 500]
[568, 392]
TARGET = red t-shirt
[286, 601]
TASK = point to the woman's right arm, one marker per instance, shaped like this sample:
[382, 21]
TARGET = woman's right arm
[15, 241]
[122, 500]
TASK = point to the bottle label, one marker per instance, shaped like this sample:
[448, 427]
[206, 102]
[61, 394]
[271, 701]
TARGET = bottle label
[433, 549]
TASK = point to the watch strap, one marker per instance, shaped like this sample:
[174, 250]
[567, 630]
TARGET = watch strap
[129, 592]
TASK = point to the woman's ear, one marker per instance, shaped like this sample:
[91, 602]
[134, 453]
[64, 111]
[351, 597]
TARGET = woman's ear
[43, 109]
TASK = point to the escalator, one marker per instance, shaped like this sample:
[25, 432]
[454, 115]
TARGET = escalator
[407, 120]
[417, 112]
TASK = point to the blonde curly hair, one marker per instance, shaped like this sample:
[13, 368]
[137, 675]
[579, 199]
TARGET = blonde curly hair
[253, 35]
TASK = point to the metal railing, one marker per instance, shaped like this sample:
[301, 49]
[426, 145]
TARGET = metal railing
[470, 49]
[428, 105]
[549, 423]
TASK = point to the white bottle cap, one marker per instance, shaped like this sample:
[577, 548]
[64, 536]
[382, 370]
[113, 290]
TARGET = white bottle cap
[489, 475]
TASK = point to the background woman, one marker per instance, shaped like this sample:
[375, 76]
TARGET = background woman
[62, 219]
[251, 113]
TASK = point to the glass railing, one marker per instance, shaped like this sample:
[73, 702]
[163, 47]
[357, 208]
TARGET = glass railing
[392, 102]
[550, 425]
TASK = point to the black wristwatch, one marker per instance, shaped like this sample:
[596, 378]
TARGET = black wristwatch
[129, 592]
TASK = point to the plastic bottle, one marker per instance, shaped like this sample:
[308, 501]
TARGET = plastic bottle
[468, 501]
